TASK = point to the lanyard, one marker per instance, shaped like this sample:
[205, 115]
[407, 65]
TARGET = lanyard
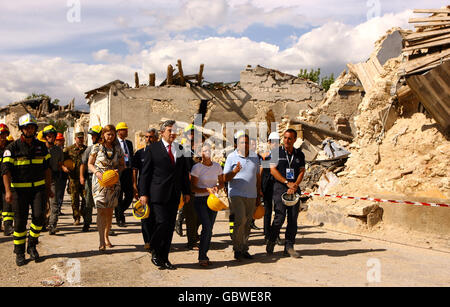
[287, 156]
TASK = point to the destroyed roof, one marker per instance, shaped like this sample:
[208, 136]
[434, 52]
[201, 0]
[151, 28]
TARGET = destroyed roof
[104, 87]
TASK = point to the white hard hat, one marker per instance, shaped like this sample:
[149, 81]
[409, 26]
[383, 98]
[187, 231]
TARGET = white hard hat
[274, 136]
[290, 199]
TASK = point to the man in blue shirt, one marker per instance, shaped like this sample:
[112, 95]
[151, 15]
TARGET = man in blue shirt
[241, 171]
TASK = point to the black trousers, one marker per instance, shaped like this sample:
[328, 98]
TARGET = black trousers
[147, 226]
[23, 199]
[126, 194]
[268, 208]
[165, 215]
[281, 211]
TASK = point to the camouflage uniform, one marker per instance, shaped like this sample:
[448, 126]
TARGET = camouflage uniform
[74, 153]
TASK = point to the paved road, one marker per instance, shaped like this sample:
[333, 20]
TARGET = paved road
[329, 258]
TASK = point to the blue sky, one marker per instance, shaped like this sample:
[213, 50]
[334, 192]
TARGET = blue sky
[67, 47]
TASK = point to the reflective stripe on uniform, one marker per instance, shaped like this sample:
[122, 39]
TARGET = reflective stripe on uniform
[48, 156]
[37, 161]
[21, 162]
[27, 184]
[8, 216]
[19, 234]
[8, 160]
[33, 234]
[19, 242]
[37, 228]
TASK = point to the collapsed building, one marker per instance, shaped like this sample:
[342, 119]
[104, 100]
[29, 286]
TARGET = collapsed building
[381, 130]
[45, 113]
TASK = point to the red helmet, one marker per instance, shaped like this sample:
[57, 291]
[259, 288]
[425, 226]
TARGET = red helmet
[59, 136]
[4, 129]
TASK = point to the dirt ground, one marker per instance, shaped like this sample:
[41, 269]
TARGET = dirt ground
[329, 258]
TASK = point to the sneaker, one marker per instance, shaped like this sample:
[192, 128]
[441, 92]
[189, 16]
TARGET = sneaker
[290, 252]
[269, 247]
[20, 259]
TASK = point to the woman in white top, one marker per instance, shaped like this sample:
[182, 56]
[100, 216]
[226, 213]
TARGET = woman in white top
[206, 178]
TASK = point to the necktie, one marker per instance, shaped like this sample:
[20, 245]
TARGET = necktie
[172, 158]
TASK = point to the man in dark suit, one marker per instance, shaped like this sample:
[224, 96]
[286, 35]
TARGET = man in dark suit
[126, 178]
[164, 177]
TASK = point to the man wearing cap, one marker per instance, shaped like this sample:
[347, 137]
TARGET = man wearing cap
[74, 153]
[267, 182]
[241, 171]
[288, 172]
[126, 177]
[55, 161]
[62, 179]
[86, 177]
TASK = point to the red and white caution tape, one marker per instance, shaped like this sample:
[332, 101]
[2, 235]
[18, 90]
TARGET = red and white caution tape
[416, 203]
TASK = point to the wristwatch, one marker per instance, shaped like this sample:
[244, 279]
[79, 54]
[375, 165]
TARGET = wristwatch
[285, 182]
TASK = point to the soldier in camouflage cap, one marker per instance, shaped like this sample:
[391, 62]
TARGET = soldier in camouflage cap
[74, 152]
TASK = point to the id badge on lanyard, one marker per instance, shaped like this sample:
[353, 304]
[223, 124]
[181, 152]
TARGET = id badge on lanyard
[290, 174]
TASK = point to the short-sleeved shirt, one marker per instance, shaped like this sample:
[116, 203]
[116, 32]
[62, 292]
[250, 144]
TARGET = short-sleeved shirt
[244, 183]
[57, 157]
[85, 158]
[296, 162]
[207, 176]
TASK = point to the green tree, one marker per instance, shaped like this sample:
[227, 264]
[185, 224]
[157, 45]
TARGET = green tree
[43, 96]
[60, 125]
[314, 76]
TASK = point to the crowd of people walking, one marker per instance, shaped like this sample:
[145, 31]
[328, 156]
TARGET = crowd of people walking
[37, 168]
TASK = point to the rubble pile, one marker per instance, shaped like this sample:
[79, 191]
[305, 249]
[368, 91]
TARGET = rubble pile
[401, 143]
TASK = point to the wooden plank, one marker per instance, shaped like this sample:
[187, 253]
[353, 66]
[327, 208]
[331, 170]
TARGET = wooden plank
[429, 66]
[429, 19]
[169, 80]
[425, 60]
[429, 45]
[136, 80]
[428, 40]
[309, 126]
[433, 90]
[432, 11]
[151, 79]
[432, 24]
[200, 74]
[420, 35]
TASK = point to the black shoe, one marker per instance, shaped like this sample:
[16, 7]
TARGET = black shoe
[279, 242]
[156, 260]
[290, 252]
[238, 256]
[121, 223]
[20, 259]
[253, 226]
[246, 255]
[169, 266]
[34, 255]
[85, 228]
[9, 229]
[269, 247]
[179, 227]
[51, 230]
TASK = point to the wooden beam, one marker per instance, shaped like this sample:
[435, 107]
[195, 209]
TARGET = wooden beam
[136, 80]
[420, 35]
[429, 19]
[200, 74]
[169, 80]
[423, 61]
[432, 11]
[432, 24]
[151, 79]
[180, 71]
[429, 45]
[428, 40]
[309, 126]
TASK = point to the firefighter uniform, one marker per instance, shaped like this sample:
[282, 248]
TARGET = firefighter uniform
[75, 153]
[27, 165]
[6, 211]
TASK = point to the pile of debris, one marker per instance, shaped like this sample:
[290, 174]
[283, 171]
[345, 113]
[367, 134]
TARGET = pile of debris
[400, 144]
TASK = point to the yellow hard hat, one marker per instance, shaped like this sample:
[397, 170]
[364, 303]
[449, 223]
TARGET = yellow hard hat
[69, 164]
[10, 138]
[121, 125]
[140, 211]
[109, 178]
[49, 129]
[259, 212]
[40, 136]
[215, 204]
[95, 130]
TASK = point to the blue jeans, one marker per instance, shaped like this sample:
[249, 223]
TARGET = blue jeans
[207, 218]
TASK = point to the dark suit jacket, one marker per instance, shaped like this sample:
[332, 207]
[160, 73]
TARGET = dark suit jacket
[160, 180]
[131, 151]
